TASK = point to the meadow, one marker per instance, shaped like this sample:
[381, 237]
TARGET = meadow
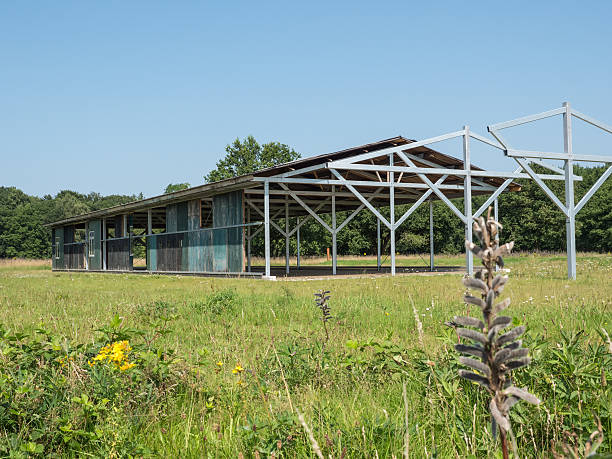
[222, 367]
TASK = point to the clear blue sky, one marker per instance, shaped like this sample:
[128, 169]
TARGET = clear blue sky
[124, 97]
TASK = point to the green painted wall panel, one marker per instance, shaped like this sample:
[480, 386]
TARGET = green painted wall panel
[171, 218]
[220, 250]
[152, 253]
[95, 262]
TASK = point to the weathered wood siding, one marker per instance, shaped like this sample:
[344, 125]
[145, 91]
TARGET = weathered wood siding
[200, 255]
[118, 249]
[152, 253]
[228, 242]
[200, 250]
[74, 252]
[118, 254]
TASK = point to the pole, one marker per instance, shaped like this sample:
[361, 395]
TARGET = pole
[377, 244]
[431, 236]
[467, 199]
[334, 248]
[392, 209]
[267, 226]
[496, 216]
[104, 243]
[570, 220]
[286, 235]
[249, 241]
[149, 239]
[298, 242]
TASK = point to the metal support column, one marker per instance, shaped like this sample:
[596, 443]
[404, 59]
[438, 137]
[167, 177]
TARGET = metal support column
[570, 220]
[392, 210]
[298, 242]
[286, 234]
[496, 217]
[334, 232]
[431, 236]
[378, 244]
[267, 226]
[149, 232]
[467, 199]
[104, 244]
[249, 240]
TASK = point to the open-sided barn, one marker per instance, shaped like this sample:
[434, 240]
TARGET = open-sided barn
[208, 229]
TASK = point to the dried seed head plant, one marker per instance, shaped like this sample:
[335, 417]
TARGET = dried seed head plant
[321, 299]
[496, 354]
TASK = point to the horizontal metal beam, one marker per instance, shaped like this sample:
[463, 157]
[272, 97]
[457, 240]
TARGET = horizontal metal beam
[344, 194]
[563, 156]
[303, 170]
[526, 119]
[366, 183]
[443, 171]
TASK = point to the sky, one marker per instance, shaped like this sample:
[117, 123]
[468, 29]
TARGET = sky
[126, 97]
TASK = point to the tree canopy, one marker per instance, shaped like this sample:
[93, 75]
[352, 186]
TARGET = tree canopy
[172, 187]
[529, 217]
[246, 156]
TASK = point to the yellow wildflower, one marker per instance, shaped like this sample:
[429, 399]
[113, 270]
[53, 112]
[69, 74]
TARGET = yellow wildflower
[115, 353]
[238, 369]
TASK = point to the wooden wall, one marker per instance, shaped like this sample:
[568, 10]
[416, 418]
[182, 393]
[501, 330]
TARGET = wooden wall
[118, 255]
[118, 250]
[200, 250]
[183, 247]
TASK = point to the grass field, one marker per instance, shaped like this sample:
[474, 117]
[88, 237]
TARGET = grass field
[270, 333]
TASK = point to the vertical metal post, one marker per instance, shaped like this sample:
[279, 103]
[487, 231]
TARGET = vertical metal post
[286, 235]
[104, 244]
[298, 242]
[267, 226]
[467, 198]
[496, 217]
[431, 236]
[334, 248]
[249, 240]
[125, 226]
[570, 219]
[149, 240]
[378, 243]
[392, 210]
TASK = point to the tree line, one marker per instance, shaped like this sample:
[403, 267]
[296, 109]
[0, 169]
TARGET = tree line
[529, 217]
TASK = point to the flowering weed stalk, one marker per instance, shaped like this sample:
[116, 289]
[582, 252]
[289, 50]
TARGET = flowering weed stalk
[492, 355]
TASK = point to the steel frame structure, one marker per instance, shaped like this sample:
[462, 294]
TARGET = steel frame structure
[431, 184]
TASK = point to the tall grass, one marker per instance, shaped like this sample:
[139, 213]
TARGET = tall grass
[350, 391]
